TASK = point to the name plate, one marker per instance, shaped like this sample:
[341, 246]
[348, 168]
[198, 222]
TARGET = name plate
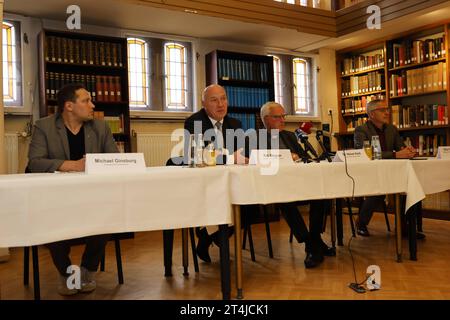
[443, 153]
[271, 157]
[356, 155]
[114, 162]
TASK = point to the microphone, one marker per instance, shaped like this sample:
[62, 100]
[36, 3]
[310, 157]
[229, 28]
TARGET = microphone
[319, 134]
[303, 137]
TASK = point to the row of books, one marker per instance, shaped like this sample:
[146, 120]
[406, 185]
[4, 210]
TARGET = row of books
[355, 122]
[99, 53]
[362, 63]
[419, 115]
[351, 106]
[246, 97]
[416, 51]
[101, 88]
[416, 81]
[437, 201]
[248, 120]
[426, 145]
[115, 123]
[230, 69]
[373, 81]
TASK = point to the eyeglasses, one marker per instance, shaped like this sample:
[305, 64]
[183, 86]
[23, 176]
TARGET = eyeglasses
[383, 110]
[278, 117]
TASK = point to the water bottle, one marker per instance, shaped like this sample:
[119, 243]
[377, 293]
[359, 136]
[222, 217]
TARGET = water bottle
[191, 151]
[376, 148]
[210, 154]
[198, 155]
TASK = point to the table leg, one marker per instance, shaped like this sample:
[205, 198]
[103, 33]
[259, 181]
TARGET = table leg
[225, 262]
[339, 226]
[398, 227]
[168, 249]
[238, 249]
[185, 255]
[412, 232]
[333, 222]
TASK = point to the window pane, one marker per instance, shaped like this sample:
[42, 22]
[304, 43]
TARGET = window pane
[277, 80]
[175, 75]
[302, 101]
[138, 73]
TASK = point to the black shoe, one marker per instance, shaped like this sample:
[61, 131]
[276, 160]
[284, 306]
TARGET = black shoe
[312, 261]
[419, 235]
[328, 251]
[363, 232]
[204, 241]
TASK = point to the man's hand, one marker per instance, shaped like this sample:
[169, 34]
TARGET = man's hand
[71, 165]
[295, 156]
[239, 158]
[406, 153]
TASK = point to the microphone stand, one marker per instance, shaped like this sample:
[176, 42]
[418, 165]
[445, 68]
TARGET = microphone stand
[309, 147]
[325, 153]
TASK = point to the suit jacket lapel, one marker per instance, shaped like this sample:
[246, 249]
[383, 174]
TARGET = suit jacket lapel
[63, 136]
[88, 141]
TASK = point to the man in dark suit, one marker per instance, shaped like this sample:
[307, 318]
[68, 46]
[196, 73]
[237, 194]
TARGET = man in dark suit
[392, 147]
[59, 143]
[273, 116]
[218, 128]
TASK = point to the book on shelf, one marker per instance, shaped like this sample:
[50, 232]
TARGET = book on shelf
[359, 104]
[417, 81]
[405, 116]
[115, 123]
[101, 88]
[416, 51]
[232, 69]
[67, 50]
[356, 122]
[437, 201]
[252, 98]
[248, 120]
[373, 81]
[426, 145]
[362, 63]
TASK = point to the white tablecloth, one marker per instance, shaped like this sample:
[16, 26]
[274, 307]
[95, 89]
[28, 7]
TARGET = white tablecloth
[433, 174]
[324, 181]
[42, 208]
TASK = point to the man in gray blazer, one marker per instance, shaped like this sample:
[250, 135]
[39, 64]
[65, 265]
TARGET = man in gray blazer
[59, 143]
[392, 147]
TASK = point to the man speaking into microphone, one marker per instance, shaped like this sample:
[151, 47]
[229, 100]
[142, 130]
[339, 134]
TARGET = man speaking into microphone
[273, 116]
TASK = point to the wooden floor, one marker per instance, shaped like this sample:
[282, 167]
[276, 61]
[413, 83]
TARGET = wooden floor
[283, 277]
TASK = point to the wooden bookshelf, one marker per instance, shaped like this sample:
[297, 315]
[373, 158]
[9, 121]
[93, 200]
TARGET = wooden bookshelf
[97, 62]
[248, 81]
[428, 103]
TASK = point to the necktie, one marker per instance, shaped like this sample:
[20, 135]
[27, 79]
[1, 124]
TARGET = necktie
[219, 138]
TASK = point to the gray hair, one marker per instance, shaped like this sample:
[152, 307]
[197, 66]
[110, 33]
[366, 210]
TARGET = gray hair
[209, 87]
[266, 108]
[373, 105]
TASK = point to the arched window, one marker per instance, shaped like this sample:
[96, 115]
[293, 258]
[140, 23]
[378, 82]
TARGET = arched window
[175, 67]
[302, 99]
[277, 79]
[10, 76]
[138, 73]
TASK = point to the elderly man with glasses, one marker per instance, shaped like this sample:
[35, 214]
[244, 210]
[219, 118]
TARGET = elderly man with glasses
[392, 147]
[273, 116]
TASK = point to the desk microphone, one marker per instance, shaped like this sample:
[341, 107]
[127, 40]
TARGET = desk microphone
[303, 137]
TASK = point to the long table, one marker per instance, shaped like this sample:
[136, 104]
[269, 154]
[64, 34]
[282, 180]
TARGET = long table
[321, 181]
[43, 208]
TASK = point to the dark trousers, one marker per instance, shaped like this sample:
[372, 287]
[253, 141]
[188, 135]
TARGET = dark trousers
[93, 252]
[317, 211]
[370, 204]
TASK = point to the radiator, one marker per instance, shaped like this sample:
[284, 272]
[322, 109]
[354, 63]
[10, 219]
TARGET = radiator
[12, 152]
[156, 148]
